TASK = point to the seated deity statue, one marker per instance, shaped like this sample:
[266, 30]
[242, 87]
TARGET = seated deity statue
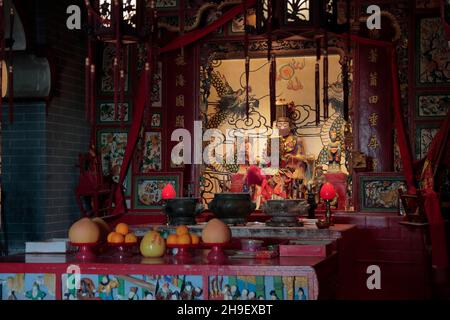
[334, 153]
[292, 150]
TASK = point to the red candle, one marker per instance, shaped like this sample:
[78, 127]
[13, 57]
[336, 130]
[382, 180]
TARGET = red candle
[168, 192]
[327, 192]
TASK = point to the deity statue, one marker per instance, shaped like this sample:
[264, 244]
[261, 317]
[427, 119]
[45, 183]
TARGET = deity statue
[292, 150]
[334, 153]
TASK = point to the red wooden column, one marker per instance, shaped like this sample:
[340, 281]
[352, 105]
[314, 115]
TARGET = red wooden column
[373, 110]
[181, 96]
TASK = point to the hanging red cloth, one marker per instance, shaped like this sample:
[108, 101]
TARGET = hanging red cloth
[405, 150]
[142, 92]
[139, 103]
[193, 36]
[440, 144]
[432, 205]
[431, 200]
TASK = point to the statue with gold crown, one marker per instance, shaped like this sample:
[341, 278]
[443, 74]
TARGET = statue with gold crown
[293, 160]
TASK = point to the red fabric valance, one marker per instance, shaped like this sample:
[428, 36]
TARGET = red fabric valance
[142, 92]
[196, 35]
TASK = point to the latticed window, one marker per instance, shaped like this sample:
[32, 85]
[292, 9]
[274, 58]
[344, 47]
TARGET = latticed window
[297, 10]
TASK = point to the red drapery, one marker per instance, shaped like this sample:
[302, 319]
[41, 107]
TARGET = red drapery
[437, 229]
[142, 92]
[440, 143]
[139, 107]
[405, 150]
[431, 200]
[436, 222]
[193, 36]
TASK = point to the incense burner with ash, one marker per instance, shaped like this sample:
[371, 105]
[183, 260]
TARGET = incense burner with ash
[285, 212]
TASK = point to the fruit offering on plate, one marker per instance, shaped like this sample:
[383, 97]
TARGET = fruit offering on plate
[153, 245]
[182, 236]
[84, 231]
[122, 235]
[104, 228]
[216, 232]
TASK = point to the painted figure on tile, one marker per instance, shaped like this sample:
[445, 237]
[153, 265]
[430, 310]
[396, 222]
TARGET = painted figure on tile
[133, 294]
[235, 292]
[106, 286]
[227, 293]
[273, 295]
[12, 295]
[35, 293]
[244, 295]
[189, 292]
[149, 296]
[301, 294]
[164, 292]
[87, 289]
[334, 153]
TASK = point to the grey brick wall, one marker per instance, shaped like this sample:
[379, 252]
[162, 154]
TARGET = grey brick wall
[24, 173]
[40, 151]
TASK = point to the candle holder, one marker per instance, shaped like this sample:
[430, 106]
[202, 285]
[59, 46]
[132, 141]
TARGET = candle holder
[328, 193]
[328, 218]
[311, 200]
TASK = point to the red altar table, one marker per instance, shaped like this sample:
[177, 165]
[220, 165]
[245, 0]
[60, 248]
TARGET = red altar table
[105, 277]
[131, 272]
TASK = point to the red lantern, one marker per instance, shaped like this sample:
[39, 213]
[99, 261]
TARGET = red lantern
[327, 192]
[168, 192]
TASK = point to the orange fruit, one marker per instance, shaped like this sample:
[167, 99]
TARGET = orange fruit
[172, 239]
[122, 228]
[115, 237]
[195, 239]
[184, 239]
[182, 230]
[131, 238]
[109, 238]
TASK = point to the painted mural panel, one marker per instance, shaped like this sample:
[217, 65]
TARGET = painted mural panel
[433, 105]
[428, 4]
[152, 160]
[157, 76]
[107, 113]
[424, 137]
[27, 286]
[380, 193]
[259, 288]
[180, 287]
[166, 4]
[112, 144]
[434, 53]
[133, 287]
[107, 71]
[148, 189]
